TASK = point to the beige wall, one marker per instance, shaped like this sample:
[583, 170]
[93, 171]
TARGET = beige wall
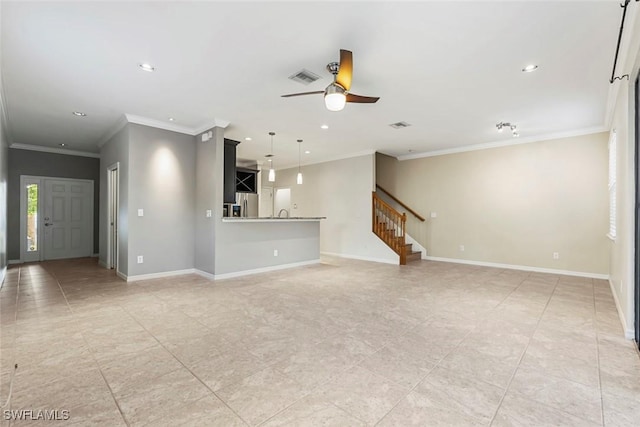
[341, 191]
[513, 205]
[623, 248]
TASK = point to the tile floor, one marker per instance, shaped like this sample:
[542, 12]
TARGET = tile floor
[342, 343]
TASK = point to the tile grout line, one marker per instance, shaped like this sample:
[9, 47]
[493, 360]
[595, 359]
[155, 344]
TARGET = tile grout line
[450, 351]
[595, 319]
[91, 350]
[185, 366]
[506, 389]
[15, 333]
[520, 361]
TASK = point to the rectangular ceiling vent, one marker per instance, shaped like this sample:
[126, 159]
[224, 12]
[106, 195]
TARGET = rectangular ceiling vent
[400, 125]
[304, 76]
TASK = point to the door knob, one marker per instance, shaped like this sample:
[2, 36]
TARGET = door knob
[48, 224]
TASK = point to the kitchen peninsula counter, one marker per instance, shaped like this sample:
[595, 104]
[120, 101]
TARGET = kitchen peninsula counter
[273, 219]
[259, 244]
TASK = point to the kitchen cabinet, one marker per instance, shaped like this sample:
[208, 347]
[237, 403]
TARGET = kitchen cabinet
[229, 193]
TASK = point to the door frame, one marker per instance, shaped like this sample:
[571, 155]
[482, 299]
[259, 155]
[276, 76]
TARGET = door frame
[41, 195]
[112, 261]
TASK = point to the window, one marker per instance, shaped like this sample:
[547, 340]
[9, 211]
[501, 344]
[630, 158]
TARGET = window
[612, 185]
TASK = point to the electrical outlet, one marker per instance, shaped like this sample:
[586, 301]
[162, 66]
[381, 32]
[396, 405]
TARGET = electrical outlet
[556, 255]
[461, 248]
[208, 213]
[140, 259]
[434, 214]
[275, 252]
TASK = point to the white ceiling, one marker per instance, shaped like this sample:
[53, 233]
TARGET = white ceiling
[451, 69]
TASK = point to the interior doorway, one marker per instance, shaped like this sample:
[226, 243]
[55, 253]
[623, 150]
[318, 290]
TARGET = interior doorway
[113, 192]
[282, 202]
[266, 202]
[56, 218]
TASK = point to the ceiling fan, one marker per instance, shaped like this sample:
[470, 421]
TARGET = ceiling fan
[337, 93]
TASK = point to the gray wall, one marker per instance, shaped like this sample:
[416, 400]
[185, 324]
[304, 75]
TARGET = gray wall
[162, 182]
[37, 163]
[209, 185]
[116, 150]
[4, 171]
[249, 245]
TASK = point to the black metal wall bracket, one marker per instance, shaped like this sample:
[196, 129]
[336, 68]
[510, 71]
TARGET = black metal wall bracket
[615, 59]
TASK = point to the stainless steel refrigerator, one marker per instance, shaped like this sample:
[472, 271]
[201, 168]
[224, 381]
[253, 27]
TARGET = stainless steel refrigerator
[248, 203]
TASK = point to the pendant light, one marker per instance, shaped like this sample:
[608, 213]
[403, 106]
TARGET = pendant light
[272, 171]
[299, 178]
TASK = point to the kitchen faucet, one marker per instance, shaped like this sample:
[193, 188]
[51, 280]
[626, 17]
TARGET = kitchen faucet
[286, 213]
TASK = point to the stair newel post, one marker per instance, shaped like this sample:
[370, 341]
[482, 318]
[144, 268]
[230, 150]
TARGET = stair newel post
[403, 248]
[373, 212]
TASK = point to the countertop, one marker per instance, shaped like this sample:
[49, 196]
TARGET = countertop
[273, 219]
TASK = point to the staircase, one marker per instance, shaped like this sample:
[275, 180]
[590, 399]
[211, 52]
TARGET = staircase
[389, 225]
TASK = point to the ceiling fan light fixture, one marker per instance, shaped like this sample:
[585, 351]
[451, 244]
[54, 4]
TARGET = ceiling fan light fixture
[335, 98]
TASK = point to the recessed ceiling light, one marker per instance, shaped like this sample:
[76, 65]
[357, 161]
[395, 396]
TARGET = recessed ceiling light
[529, 68]
[248, 138]
[62, 145]
[307, 152]
[147, 67]
[171, 119]
[79, 113]
[324, 127]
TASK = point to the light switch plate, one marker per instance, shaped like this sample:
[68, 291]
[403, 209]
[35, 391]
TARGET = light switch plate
[208, 213]
[140, 212]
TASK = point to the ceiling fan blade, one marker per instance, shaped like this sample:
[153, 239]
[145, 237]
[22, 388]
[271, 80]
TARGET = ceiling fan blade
[362, 99]
[346, 69]
[303, 93]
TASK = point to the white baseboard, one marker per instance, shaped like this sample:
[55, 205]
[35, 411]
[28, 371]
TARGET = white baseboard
[160, 275]
[521, 267]
[122, 276]
[257, 270]
[629, 333]
[205, 274]
[102, 263]
[3, 275]
[363, 258]
[15, 261]
[95, 255]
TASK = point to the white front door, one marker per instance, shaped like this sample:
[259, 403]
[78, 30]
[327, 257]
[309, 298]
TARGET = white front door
[67, 218]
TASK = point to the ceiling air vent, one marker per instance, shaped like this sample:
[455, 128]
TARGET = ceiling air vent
[304, 76]
[400, 125]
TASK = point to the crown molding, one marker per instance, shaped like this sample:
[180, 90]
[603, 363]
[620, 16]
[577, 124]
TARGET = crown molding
[4, 118]
[120, 123]
[54, 150]
[329, 159]
[498, 144]
[139, 120]
[145, 121]
[221, 123]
